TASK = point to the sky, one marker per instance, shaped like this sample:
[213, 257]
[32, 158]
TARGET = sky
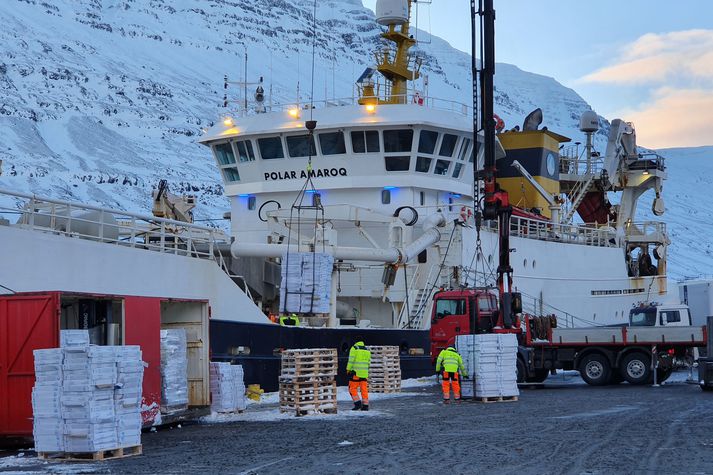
[646, 61]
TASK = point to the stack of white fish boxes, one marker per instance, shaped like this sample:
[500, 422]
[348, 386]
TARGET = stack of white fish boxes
[308, 381]
[87, 399]
[127, 395]
[174, 371]
[385, 369]
[492, 360]
[227, 388]
[306, 282]
[47, 424]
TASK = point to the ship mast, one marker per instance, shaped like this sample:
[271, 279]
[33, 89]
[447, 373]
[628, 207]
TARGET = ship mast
[393, 60]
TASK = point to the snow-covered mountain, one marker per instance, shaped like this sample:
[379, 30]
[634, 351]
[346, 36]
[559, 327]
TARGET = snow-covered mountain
[99, 99]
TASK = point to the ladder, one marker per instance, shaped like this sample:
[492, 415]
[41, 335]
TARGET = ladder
[579, 191]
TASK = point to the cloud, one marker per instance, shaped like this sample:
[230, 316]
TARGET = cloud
[674, 118]
[675, 70]
[681, 56]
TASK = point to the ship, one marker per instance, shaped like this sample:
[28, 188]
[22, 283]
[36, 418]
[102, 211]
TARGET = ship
[387, 184]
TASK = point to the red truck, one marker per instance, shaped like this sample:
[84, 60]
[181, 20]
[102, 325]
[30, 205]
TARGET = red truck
[602, 355]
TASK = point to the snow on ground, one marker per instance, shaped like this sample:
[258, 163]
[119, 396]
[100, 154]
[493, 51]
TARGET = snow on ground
[14, 464]
[266, 409]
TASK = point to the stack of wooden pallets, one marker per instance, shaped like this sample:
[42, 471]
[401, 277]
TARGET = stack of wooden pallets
[385, 369]
[308, 381]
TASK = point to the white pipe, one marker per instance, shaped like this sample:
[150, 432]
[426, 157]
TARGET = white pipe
[393, 255]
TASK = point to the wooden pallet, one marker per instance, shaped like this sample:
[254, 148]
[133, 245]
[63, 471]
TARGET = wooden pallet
[91, 456]
[495, 399]
[303, 397]
[309, 364]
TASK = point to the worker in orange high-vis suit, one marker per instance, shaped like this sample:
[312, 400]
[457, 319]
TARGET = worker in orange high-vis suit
[358, 373]
[450, 362]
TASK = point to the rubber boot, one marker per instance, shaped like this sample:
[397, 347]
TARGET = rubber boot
[446, 401]
[364, 407]
[357, 406]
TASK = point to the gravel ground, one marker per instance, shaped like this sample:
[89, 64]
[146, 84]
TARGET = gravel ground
[565, 427]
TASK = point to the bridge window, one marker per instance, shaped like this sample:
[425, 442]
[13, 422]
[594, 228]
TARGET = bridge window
[398, 140]
[450, 307]
[397, 164]
[270, 148]
[224, 153]
[332, 143]
[423, 164]
[448, 144]
[300, 146]
[364, 141]
[231, 174]
[441, 167]
[427, 141]
[464, 149]
[245, 150]
[456, 170]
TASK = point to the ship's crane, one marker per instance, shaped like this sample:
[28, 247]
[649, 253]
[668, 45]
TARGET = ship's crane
[170, 206]
[496, 202]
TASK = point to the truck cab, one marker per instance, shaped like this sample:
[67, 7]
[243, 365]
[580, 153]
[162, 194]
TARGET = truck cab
[461, 312]
[670, 315]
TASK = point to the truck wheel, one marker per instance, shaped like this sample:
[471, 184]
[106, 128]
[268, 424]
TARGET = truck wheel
[636, 368]
[595, 369]
[520, 371]
[706, 388]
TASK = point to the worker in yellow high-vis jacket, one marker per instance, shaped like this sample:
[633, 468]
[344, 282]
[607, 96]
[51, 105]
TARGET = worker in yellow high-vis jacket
[450, 362]
[358, 373]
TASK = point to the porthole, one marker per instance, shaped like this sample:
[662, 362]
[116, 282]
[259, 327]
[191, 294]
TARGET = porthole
[524, 263]
[533, 263]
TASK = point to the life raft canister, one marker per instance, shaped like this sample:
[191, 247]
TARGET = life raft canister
[465, 213]
[499, 123]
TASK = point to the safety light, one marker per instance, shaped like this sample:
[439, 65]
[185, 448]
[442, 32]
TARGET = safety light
[227, 121]
[370, 108]
[646, 172]
[294, 113]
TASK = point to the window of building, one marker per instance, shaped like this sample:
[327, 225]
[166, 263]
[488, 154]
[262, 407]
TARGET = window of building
[224, 153]
[300, 146]
[456, 170]
[397, 164]
[441, 167]
[385, 197]
[251, 202]
[398, 140]
[423, 164]
[448, 144]
[332, 143]
[450, 307]
[464, 149]
[231, 174]
[427, 141]
[245, 150]
[270, 148]
[364, 141]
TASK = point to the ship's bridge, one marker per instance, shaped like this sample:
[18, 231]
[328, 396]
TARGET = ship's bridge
[353, 146]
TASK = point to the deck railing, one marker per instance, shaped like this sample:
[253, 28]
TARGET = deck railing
[113, 226]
